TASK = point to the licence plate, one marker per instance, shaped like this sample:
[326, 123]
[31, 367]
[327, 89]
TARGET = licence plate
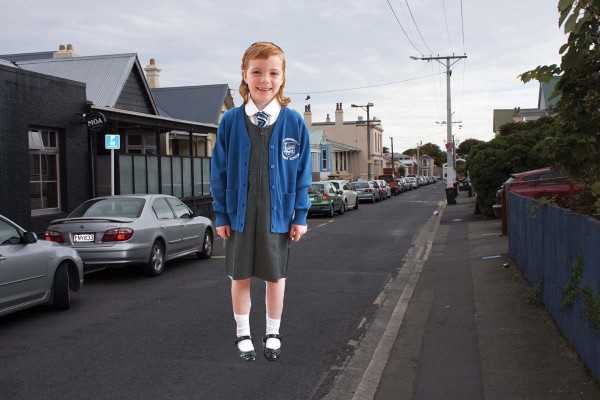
[83, 237]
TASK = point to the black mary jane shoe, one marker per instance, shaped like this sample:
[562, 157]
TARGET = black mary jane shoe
[245, 355]
[271, 354]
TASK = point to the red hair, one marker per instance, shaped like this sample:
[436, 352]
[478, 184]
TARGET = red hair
[262, 51]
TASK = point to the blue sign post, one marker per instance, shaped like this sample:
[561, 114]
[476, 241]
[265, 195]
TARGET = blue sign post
[112, 143]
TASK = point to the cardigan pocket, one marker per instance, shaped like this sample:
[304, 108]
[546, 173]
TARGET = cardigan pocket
[287, 203]
[231, 198]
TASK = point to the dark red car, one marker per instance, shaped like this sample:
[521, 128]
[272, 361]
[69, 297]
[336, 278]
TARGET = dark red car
[538, 183]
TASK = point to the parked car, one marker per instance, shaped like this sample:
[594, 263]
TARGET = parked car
[537, 183]
[147, 229]
[325, 199]
[349, 195]
[392, 183]
[386, 187]
[382, 192]
[34, 272]
[413, 181]
[366, 191]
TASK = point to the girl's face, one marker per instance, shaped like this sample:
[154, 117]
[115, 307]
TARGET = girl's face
[264, 78]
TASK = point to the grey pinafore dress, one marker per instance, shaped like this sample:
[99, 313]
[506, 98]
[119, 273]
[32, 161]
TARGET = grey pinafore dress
[257, 251]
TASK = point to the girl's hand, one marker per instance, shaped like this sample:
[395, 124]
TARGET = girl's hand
[224, 231]
[297, 231]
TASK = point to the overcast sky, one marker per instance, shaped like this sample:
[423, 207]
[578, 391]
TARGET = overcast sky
[336, 51]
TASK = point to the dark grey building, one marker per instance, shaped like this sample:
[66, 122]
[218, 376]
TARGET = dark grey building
[50, 162]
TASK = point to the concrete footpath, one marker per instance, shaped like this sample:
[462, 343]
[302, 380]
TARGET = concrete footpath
[457, 324]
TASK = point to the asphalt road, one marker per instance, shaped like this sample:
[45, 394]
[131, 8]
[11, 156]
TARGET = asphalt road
[171, 337]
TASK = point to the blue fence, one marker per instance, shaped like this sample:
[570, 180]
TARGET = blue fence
[545, 241]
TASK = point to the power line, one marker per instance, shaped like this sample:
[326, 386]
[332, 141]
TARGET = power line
[364, 87]
[447, 30]
[400, 25]
[417, 26]
[462, 26]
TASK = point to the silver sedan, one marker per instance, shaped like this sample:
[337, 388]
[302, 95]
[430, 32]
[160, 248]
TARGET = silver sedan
[35, 272]
[147, 229]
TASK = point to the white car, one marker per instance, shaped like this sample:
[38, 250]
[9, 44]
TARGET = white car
[35, 271]
[349, 196]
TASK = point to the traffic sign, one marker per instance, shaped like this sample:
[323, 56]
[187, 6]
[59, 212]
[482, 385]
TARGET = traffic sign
[112, 142]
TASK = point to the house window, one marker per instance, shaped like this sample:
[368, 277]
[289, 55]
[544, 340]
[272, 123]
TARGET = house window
[139, 143]
[315, 162]
[324, 160]
[43, 171]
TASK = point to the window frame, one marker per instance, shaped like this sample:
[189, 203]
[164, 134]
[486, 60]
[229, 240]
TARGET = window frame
[39, 152]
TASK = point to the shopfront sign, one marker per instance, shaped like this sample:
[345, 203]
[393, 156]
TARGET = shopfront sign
[96, 122]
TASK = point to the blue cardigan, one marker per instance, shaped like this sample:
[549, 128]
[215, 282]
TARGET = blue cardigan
[289, 177]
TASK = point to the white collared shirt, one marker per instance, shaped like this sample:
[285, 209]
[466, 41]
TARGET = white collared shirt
[273, 109]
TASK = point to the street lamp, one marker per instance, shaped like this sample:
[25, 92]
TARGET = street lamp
[367, 106]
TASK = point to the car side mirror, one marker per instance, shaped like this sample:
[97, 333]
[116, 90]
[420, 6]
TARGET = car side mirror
[197, 213]
[29, 237]
[340, 191]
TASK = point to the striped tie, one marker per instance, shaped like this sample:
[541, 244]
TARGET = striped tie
[262, 118]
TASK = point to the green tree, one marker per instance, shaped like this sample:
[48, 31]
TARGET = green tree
[490, 163]
[434, 151]
[574, 147]
[464, 148]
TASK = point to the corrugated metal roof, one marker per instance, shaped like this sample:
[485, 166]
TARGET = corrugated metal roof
[317, 138]
[7, 63]
[193, 103]
[27, 56]
[104, 76]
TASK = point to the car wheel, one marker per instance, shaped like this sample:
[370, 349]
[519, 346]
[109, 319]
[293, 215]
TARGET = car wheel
[331, 212]
[207, 245]
[373, 199]
[356, 203]
[60, 288]
[156, 263]
[343, 208]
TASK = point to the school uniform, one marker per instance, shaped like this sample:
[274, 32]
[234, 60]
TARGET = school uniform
[259, 183]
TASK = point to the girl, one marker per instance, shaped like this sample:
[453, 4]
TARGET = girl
[260, 174]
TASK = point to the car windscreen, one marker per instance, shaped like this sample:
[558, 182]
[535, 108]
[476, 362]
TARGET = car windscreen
[359, 185]
[316, 188]
[110, 207]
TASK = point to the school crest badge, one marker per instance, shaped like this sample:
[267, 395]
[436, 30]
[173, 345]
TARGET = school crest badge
[291, 149]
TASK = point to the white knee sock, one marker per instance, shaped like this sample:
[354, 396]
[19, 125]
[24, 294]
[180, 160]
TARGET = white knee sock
[243, 329]
[273, 328]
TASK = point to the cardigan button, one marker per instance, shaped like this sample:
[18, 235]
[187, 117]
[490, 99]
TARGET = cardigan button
[273, 187]
[272, 166]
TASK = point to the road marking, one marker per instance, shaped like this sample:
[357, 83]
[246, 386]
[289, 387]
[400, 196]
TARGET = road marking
[361, 372]
[218, 257]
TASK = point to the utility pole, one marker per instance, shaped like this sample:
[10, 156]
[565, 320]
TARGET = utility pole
[393, 174]
[418, 164]
[369, 161]
[450, 174]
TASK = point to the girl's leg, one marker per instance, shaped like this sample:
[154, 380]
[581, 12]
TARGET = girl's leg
[274, 298]
[274, 301]
[241, 302]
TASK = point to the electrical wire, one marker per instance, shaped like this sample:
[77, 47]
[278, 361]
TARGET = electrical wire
[462, 26]
[417, 26]
[447, 30]
[362, 87]
[401, 27]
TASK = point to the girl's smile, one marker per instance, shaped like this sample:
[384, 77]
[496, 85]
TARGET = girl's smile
[264, 79]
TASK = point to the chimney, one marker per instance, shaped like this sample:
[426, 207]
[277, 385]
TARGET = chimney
[339, 114]
[307, 116]
[152, 73]
[62, 53]
[360, 118]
